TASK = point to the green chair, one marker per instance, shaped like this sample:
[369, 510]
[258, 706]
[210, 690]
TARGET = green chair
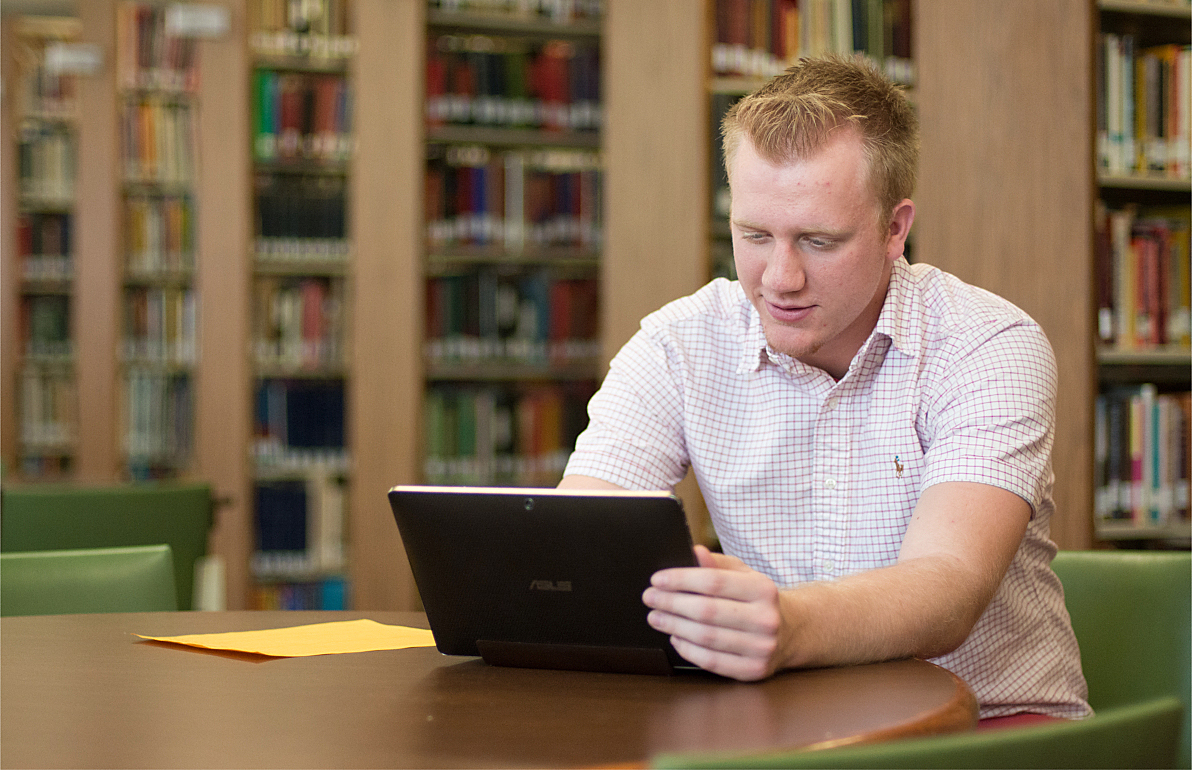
[1132, 613]
[58, 516]
[1135, 736]
[132, 579]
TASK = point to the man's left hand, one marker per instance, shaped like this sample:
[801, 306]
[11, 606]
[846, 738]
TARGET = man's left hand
[721, 616]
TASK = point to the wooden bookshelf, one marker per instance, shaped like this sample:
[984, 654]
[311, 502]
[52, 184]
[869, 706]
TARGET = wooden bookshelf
[1006, 188]
[40, 130]
[1026, 232]
[1143, 357]
[386, 196]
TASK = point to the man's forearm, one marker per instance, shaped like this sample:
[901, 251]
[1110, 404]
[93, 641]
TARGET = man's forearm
[924, 607]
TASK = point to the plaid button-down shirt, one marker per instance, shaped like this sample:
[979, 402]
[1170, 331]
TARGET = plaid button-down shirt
[807, 478]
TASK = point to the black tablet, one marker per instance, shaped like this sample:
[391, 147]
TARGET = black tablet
[543, 578]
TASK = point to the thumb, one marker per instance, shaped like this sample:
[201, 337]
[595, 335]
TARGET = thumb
[705, 558]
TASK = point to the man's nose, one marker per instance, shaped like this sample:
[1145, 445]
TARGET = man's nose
[784, 271]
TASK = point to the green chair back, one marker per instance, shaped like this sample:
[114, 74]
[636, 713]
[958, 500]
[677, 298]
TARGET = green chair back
[1132, 613]
[1135, 736]
[56, 517]
[133, 579]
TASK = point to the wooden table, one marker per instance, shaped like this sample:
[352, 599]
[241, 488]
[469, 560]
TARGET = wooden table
[82, 691]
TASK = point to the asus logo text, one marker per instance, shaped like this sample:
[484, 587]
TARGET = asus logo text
[550, 585]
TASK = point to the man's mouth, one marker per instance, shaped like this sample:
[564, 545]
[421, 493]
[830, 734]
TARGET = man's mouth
[788, 313]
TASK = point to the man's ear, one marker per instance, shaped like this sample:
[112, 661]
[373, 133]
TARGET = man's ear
[900, 227]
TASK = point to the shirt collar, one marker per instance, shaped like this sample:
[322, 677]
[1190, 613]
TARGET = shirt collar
[899, 310]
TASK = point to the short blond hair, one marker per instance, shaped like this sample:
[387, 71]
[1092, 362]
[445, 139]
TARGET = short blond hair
[792, 115]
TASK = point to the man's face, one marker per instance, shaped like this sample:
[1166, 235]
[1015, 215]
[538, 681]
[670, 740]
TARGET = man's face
[808, 250]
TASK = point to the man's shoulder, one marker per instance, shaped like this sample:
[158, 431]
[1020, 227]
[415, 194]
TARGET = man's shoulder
[939, 301]
[720, 303]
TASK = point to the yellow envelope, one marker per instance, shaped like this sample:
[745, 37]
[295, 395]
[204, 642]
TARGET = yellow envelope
[318, 639]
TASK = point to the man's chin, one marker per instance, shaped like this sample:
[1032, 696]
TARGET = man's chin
[795, 348]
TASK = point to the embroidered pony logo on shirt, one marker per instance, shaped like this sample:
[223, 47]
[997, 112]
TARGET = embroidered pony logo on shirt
[897, 466]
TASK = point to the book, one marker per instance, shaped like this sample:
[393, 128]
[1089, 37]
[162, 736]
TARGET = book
[1141, 455]
[552, 85]
[502, 434]
[514, 199]
[300, 218]
[1142, 276]
[149, 54]
[158, 418]
[1142, 107]
[299, 423]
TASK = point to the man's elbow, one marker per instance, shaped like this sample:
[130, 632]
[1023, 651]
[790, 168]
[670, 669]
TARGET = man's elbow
[953, 630]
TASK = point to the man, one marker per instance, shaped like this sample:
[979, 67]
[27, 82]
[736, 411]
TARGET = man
[872, 438]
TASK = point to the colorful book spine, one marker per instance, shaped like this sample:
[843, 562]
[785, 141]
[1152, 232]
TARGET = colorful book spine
[158, 235]
[489, 81]
[45, 327]
[1142, 455]
[160, 325]
[298, 322]
[157, 141]
[158, 418]
[516, 200]
[149, 54]
[502, 435]
[46, 164]
[761, 38]
[314, 30]
[1144, 274]
[299, 423]
[44, 246]
[49, 408]
[530, 318]
[301, 218]
[327, 594]
[1143, 107]
[301, 116]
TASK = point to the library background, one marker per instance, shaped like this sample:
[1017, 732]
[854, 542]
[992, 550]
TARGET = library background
[303, 251]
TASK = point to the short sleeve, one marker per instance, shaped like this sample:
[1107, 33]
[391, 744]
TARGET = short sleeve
[635, 435]
[990, 417]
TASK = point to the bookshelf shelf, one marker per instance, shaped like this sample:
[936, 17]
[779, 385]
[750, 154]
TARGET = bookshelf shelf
[1144, 182]
[511, 137]
[1161, 8]
[1127, 531]
[298, 267]
[303, 167]
[452, 262]
[505, 371]
[324, 65]
[1167, 356]
[514, 24]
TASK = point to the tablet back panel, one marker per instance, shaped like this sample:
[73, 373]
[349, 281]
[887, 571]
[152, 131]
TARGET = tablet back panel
[543, 577]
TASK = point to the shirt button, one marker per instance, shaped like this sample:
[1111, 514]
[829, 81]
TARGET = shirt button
[830, 483]
[829, 565]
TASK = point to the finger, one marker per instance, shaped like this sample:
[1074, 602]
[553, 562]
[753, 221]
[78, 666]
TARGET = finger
[749, 617]
[741, 585]
[714, 637]
[706, 558]
[739, 667]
